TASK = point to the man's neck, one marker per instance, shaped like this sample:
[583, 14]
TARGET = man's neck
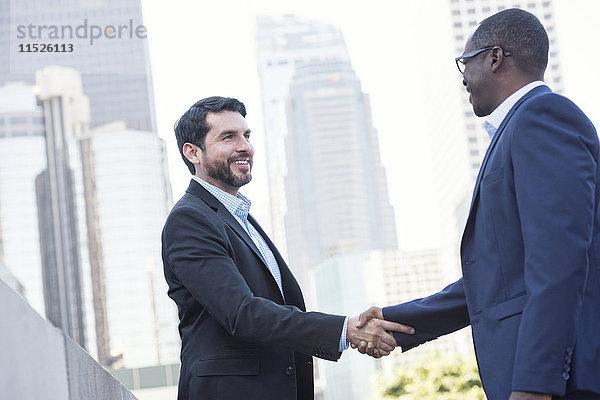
[514, 83]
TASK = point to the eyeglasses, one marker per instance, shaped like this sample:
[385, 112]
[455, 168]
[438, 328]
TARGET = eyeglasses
[460, 61]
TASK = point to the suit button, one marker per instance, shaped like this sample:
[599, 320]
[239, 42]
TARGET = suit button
[566, 376]
[567, 359]
[569, 351]
[289, 370]
[566, 368]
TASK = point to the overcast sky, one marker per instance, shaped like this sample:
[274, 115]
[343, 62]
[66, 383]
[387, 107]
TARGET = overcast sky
[401, 50]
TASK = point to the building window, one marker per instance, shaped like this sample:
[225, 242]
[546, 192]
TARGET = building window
[18, 120]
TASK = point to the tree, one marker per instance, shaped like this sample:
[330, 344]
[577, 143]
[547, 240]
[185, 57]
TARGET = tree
[434, 377]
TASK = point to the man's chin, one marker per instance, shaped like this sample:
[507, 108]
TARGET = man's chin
[480, 113]
[242, 180]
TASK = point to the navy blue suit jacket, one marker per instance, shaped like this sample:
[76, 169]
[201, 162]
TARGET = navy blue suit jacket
[239, 338]
[530, 257]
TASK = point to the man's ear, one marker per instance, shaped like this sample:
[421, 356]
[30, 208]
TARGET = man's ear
[192, 153]
[497, 58]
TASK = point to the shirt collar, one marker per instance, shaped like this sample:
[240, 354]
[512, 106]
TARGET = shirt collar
[493, 121]
[238, 205]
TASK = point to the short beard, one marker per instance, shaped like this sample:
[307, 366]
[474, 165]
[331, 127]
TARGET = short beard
[221, 171]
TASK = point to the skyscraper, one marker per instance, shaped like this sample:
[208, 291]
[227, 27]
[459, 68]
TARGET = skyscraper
[22, 158]
[109, 49]
[336, 188]
[129, 192]
[283, 44]
[66, 117]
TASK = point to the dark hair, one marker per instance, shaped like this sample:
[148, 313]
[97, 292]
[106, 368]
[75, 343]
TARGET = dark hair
[519, 32]
[192, 127]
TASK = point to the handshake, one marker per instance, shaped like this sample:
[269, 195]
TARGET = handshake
[370, 333]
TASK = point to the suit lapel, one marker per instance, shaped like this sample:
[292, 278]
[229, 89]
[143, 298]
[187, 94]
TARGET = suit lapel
[230, 220]
[197, 189]
[293, 294]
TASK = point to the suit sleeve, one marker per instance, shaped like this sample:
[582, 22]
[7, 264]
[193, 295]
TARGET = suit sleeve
[432, 317]
[554, 150]
[197, 253]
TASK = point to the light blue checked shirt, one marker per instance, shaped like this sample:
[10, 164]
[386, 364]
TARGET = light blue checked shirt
[239, 207]
[493, 121]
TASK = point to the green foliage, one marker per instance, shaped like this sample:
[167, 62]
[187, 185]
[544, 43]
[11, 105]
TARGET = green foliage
[434, 377]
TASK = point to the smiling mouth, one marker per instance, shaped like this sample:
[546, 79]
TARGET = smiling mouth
[244, 163]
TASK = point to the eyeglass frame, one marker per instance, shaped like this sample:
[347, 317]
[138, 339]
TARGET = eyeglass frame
[460, 59]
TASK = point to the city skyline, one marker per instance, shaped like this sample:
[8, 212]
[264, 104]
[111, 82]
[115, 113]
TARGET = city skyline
[404, 59]
[111, 204]
[109, 66]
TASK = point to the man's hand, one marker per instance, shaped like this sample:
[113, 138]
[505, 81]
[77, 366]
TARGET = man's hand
[369, 333]
[529, 396]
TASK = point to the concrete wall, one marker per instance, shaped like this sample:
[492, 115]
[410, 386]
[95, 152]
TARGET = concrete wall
[38, 361]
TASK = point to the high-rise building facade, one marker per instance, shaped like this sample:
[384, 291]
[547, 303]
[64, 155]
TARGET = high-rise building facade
[336, 187]
[129, 193]
[111, 200]
[22, 159]
[108, 47]
[128, 319]
[66, 117]
[283, 44]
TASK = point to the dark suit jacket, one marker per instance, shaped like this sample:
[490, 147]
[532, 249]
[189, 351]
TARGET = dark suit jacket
[530, 257]
[240, 339]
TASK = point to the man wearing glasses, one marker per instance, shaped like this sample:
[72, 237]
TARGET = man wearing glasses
[530, 252]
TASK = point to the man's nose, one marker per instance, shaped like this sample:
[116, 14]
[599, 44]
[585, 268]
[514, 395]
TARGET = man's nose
[244, 145]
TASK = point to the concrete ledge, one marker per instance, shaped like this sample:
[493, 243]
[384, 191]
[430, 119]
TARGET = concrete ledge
[40, 362]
